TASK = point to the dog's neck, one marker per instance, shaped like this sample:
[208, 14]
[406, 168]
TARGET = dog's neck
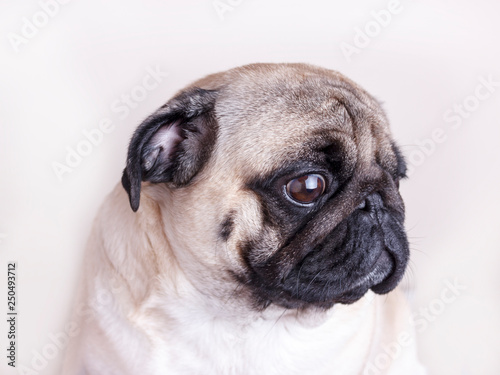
[230, 339]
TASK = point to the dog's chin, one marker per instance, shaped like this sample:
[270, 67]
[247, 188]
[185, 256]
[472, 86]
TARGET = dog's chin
[379, 277]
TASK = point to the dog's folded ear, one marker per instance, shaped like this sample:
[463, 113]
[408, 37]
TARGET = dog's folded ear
[172, 144]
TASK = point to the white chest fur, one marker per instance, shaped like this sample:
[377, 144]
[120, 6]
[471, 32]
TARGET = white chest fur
[278, 342]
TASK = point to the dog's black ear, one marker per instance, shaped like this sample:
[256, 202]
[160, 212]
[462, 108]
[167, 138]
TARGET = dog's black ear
[172, 144]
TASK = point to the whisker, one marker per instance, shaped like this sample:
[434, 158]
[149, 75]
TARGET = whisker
[298, 278]
[274, 324]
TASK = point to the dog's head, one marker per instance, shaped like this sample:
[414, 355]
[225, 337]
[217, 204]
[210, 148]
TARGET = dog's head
[283, 177]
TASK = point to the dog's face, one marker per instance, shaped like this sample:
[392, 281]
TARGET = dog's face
[282, 178]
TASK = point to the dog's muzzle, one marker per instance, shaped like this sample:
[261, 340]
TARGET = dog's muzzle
[366, 250]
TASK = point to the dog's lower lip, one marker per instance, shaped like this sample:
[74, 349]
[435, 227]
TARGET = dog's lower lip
[387, 261]
[382, 267]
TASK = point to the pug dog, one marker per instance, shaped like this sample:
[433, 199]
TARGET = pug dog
[258, 230]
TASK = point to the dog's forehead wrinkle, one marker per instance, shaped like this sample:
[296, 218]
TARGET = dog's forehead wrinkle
[268, 136]
[297, 89]
[276, 110]
[272, 149]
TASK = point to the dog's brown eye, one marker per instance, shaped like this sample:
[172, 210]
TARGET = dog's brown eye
[306, 189]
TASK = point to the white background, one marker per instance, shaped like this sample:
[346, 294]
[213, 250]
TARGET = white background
[429, 57]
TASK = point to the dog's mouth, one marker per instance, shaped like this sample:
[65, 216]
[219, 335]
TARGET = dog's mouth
[320, 289]
[353, 259]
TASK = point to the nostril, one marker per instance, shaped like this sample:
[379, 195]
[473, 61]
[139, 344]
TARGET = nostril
[362, 205]
[372, 204]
